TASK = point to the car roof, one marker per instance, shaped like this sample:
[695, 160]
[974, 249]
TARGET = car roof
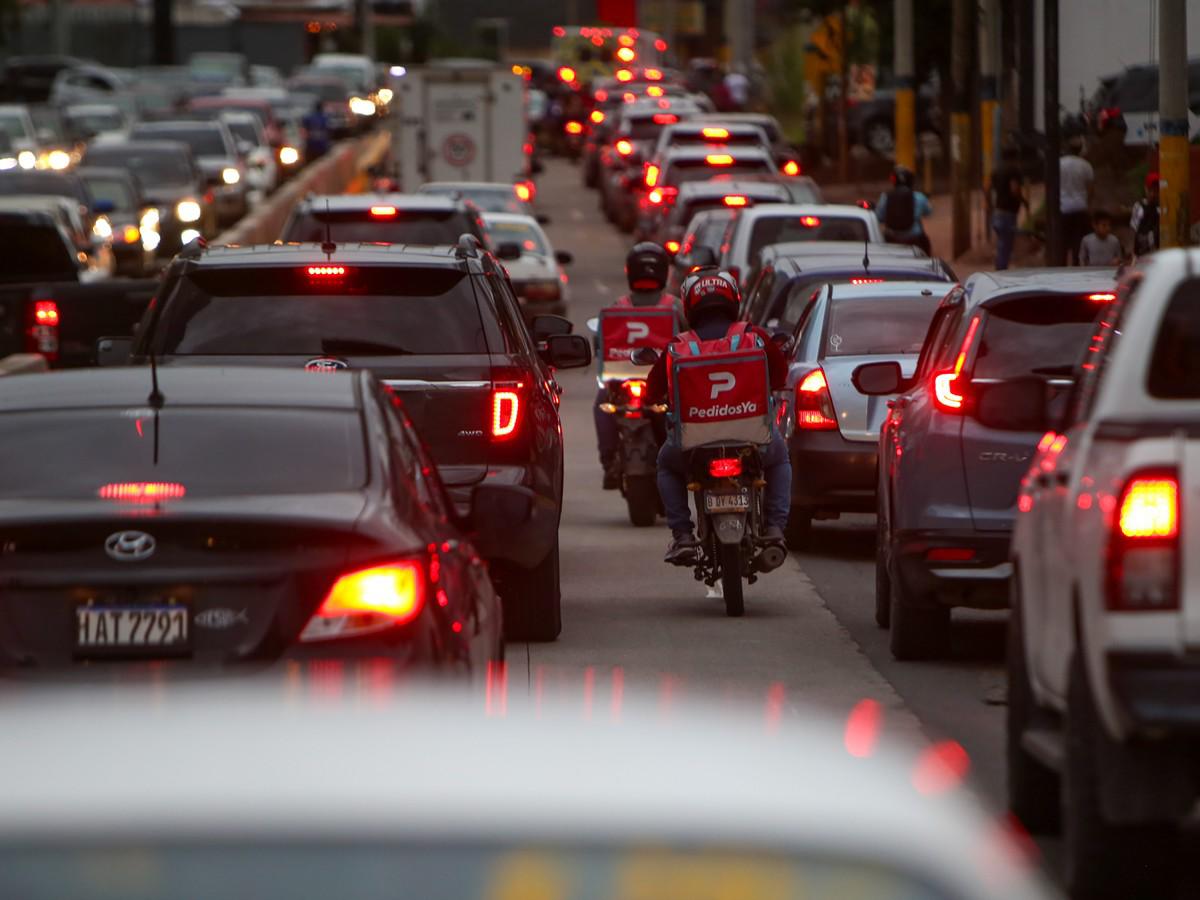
[984, 286]
[114, 172]
[181, 386]
[360, 202]
[39, 217]
[780, 210]
[521, 218]
[306, 254]
[888, 289]
[696, 151]
[781, 252]
[463, 777]
[715, 188]
[466, 186]
[175, 147]
[177, 124]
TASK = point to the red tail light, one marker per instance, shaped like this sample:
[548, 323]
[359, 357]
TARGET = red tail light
[626, 54]
[624, 147]
[672, 247]
[1102, 298]
[635, 389]
[651, 176]
[791, 167]
[665, 118]
[736, 200]
[573, 128]
[946, 390]
[383, 212]
[142, 491]
[655, 196]
[1143, 552]
[601, 96]
[326, 271]
[719, 159]
[810, 221]
[524, 191]
[597, 116]
[715, 134]
[624, 75]
[814, 405]
[727, 467]
[506, 413]
[41, 329]
[653, 75]
[369, 600]
[566, 74]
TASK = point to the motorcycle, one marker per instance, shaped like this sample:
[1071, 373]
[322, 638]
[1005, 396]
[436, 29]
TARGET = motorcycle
[640, 432]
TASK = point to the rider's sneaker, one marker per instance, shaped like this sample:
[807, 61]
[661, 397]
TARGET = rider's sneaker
[682, 551]
[612, 477]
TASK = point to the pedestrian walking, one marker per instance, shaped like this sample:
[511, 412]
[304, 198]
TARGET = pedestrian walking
[1008, 197]
[1144, 220]
[1101, 247]
[1076, 182]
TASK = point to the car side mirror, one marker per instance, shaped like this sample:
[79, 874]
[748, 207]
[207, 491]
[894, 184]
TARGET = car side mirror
[644, 356]
[564, 257]
[102, 207]
[878, 379]
[1018, 404]
[543, 327]
[113, 351]
[567, 351]
[509, 250]
[542, 219]
[498, 509]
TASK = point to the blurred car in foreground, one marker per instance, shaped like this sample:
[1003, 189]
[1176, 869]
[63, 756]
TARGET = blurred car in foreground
[824, 812]
[534, 266]
[176, 539]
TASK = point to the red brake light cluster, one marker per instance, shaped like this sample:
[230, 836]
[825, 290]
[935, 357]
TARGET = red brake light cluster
[142, 491]
[41, 328]
[665, 118]
[945, 384]
[866, 281]
[597, 116]
[524, 191]
[506, 413]
[370, 600]
[326, 271]
[814, 405]
[1102, 298]
[573, 128]
[671, 247]
[1143, 552]
[624, 147]
[1149, 508]
[624, 75]
[383, 212]
[651, 175]
[726, 467]
[653, 74]
[566, 74]
[626, 54]
[736, 200]
[715, 134]
[810, 221]
[45, 312]
[719, 159]
[791, 167]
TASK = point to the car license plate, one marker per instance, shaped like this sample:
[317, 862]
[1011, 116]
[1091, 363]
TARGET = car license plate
[131, 627]
[727, 503]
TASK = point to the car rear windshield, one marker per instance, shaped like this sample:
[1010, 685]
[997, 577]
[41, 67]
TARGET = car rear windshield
[1175, 364]
[1039, 335]
[165, 168]
[43, 183]
[644, 129]
[523, 233]
[422, 226]
[203, 141]
[367, 311]
[487, 199]
[247, 131]
[682, 171]
[861, 326]
[209, 452]
[111, 190]
[786, 229]
[29, 251]
[795, 293]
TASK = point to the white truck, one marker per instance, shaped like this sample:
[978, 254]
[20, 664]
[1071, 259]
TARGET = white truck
[1104, 651]
[459, 120]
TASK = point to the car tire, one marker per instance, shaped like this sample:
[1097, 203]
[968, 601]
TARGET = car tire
[1033, 789]
[917, 632]
[798, 533]
[883, 579]
[533, 601]
[1103, 860]
[730, 556]
[641, 496]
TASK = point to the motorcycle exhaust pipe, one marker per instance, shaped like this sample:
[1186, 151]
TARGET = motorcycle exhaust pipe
[771, 558]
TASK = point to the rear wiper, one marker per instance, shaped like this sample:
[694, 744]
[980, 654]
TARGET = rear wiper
[341, 345]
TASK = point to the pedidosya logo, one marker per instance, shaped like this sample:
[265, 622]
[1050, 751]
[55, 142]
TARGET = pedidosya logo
[722, 382]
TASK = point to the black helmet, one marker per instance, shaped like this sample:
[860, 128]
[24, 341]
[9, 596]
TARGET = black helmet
[646, 267]
[902, 176]
[710, 288]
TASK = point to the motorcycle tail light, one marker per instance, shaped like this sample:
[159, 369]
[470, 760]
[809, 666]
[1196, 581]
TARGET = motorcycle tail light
[369, 600]
[725, 467]
[1143, 551]
[814, 405]
[671, 247]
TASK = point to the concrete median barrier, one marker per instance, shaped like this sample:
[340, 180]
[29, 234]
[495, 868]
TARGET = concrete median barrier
[343, 169]
[22, 363]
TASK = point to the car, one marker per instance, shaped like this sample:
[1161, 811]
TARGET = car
[825, 813]
[177, 539]
[262, 169]
[706, 131]
[92, 245]
[1129, 100]
[90, 83]
[872, 122]
[387, 217]
[717, 193]
[781, 148]
[786, 274]
[172, 183]
[948, 481]
[831, 428]
[217, 107]
[487, 196]
[45, 183]
[218, 68]
[29, 79]
[701, 244]
[216, 153]
[17, 124]
[441, 326]
[787, 223]
[534, 266]
[131, 219]
[85, 121]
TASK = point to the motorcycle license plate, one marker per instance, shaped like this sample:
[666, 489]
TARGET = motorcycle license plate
[727, 503]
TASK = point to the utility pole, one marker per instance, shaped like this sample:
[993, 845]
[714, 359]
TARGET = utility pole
[164, 33]
[843, 136]
[906, 104]
[989, 82]
[960, 123]
[1025, 67]
[1173, 152]
[59, 25]
[1055, 251]
[366, 28]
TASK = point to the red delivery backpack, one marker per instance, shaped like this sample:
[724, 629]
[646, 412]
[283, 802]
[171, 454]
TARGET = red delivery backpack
[623, 329]
[720, 390]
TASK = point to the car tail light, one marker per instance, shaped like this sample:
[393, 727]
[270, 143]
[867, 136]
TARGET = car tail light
[524, 191]
[814, 405]
[651, 175]
[601, 96]
[672, 247]
[383, 212]
[1143, 552]
[660, 45]
[41, 328]
[1102, 298]
[506, 413]
[566, 74]
[653, 74]
[142, 491]
[624, 147]
[719, 159]
[665, 118]
[950, 554]
[597, 116]
[946, 390]
[791, 167]
[326, 271]
[369, 600]
[655, 197]
[715, 134]
[725, 467]
[736, 200]
[573, 128]
[626, 54]
[810, 221]
[624, 75]
[866, 281]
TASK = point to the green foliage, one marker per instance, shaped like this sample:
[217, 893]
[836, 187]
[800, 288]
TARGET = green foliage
[783, 62]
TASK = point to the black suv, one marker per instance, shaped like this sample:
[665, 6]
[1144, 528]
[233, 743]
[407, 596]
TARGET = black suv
[388, 218]
[441, 327]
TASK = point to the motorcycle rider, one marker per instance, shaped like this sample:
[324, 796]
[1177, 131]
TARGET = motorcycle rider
[647, 267]
[711, 306]
[901, 210]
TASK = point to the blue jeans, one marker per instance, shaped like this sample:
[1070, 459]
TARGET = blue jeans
[1004, 223]
[673, 475]
[606, 429]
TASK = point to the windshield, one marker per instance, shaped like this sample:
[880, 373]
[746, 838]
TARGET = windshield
[92, 123]
[790, 297]
[203, 141]
[246, 131]
[1174, 371]
[327, 90]
[501, 199]
[277, 312]
[1039, 335]
[111, 190]
[526, 234]
[405, 227]
[682, 171]
[154, 168]
[892, 326]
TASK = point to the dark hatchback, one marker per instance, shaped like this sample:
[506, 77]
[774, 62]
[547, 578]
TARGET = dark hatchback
[231, 518]
[442, 328]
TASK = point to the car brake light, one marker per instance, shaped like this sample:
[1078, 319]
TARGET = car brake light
[866, 281]
[651, 175]
[654, 91]
[624, 75]
[665, 118]
[524, 191]
[326, 271]
[142, 491]
[597, 116]
[791, 167]
[626, 54]
[725, 467]
[814, 405]
[383, 212]
[719, 159]
[369, 600]
[601, 96]
[672, 247]
[655, 196]
[506, 412]
[1102, 298]
[41, 328]
[624, 147]
[945, 386]
[653, 74]
[1143, 553]
[736, 200]
[715, 134]
[573, 128]
[566, 74]
[45, 312]
[810, 221]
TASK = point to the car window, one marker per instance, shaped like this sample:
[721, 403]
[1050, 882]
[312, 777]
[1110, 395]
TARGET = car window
[417, 474]
[785, 229]
[759, 294]
[403, 227]
[507, 313]
[203, 141]
[189, 447]
[112, 190]
[152, 167]
[363, 311]
[805, 321]
[32, 251]
[939, 339]
[1035, 335]
[525, 234]
[43, 183]
[861, 326]
[1174, 366]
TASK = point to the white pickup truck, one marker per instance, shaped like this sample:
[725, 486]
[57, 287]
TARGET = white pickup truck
[1104, 651]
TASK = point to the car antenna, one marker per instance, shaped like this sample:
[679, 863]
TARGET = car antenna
[328, 246]
[867, 255]
[156, 399]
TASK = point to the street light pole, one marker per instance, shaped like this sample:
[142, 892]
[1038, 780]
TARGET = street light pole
[1055, 251]
[1173, 152]
[989, 81]
[960, 124]
[906, 107]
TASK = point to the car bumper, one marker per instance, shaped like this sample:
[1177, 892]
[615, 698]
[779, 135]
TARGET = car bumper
[529, 543]
[980, 582]
[831, 473]
[1157, 691]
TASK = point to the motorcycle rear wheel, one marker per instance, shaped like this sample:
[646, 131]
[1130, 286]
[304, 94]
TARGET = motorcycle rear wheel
[730, 557]
[641, 496]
